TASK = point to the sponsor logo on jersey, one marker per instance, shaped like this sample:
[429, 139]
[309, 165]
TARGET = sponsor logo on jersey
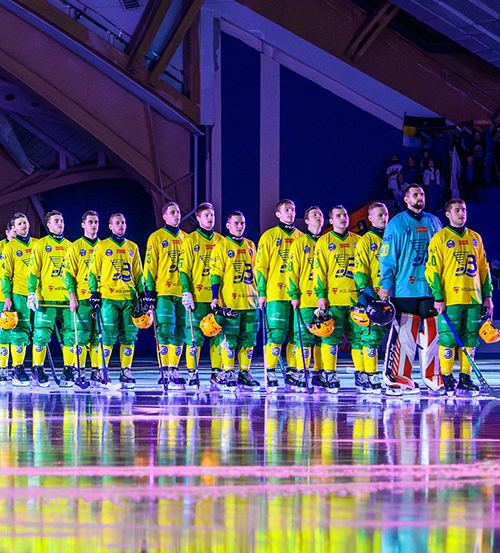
[109, 253]
[280, 285]
[48, 249]
[197, 248]
[60, 248]
[275, 352]
[309, 293]
[199, 287]
[83, 291]
[412, 279]
[28, 251]
[234, 295]
[209, 246]
[176, 241]
[374, 247]
[332, 247]
[344, 245]
[307, 249]
[335, 290]
[289, 240]
[456, 289]
[164, 244]
[127, 352]
[230, 254]
[463, 242]
[450, 244]
[241, 251]
[120, 251]
[447, 353]
[111, 290]
[169, 283]
[475, 243]
[131, 253]
[19, 253]
[83, 253]
[51, 288]
[421, 229]
[278, 243]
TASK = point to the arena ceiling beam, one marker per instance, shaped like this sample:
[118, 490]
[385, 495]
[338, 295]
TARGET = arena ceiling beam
[175, 41]
[456, 86]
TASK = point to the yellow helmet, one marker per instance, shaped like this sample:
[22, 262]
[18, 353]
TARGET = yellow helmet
[142, 319]
[209, 326]
[359, 316]
[489, 333]
[8, 319]
[322, 324]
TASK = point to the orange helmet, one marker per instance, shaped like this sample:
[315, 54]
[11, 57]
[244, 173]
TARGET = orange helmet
[8, 319]
[142, 319]
[209, 326]
[322, 324]
[489, 333]
[359, 316]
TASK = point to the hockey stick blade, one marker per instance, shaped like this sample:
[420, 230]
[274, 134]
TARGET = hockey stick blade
[480, 377]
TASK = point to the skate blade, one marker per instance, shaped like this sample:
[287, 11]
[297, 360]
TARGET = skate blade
[125, 386]
[411, 392]
[3, 382]
[249, 389]
[391, 393]
[363, 390]
[111, 386]
[271, 389]
[42, 384]
[466, 393]
[66, 384]
[19, 384]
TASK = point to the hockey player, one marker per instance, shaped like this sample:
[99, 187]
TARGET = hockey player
[334, 285]
[115, 281]
[460, 281]
[402, 271]
[233, 285]
[163, 291]
[272, 259]
[5, 335]
[194, 267]
[45, 285]
[76, 279]
[367, 279]
[16, 256]
[304, 301]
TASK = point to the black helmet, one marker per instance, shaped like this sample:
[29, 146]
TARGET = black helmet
[380, 312]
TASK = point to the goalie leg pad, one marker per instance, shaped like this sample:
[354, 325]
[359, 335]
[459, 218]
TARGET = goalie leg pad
[401, 349]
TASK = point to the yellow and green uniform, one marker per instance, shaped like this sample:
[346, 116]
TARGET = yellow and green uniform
[233, 283]
[367, 273]
[115, 271]
[194, 267]
[161, 275]
[4, 334]
[16, 260]
[300, 286]
[334, 279]
[271, 267]
[76, 279]
[458, 273]
[45, 279]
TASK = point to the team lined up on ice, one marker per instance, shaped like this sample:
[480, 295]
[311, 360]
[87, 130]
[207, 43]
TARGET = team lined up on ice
[309, 287]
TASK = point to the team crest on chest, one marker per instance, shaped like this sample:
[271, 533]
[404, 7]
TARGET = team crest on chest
[83, 253]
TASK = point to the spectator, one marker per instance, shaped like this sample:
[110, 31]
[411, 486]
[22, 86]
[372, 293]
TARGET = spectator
[411, 170]
[392, 172]
[432, 180]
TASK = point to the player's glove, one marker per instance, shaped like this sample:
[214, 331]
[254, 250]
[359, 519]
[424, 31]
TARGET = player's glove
[225, 312]
[485, 312]
[32, 301]
[187, 300]
[95, 300]
[147, 300]
[367, 295]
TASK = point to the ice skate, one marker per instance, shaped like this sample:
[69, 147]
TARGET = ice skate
[374, 382]
[293, 382]
[272, 380]
[247, 382]
[67, 379]
[450, 384]
[4, 375]
[128, 382]
[361, 382]
[193, 379]
[320, 383]
[20, 377]
[466, 388]
[217, 381]
[39, 376]
[333, 381]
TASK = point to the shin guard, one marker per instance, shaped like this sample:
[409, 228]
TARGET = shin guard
[401, 349]
[429, 354]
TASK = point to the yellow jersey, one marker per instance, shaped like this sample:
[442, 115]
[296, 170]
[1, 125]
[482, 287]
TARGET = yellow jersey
[300, 270]
[194, 264]
[272, 259]
[457, 270]
[161, 266]
[46, 269]
[16, 261]
[334, 268]
[76, 267]
[3, 243]
[233, 266]
[366, 263]
[115, 269]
